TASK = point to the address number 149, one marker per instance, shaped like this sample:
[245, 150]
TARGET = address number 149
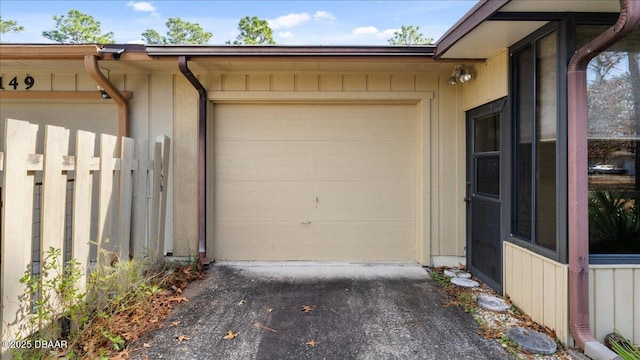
[28, 83]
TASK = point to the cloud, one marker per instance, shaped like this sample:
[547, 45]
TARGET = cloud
[289, 20]
[285, 35]
[323, 15]
[143, 6]
[139, 41]
[365, 30]
[373, 31]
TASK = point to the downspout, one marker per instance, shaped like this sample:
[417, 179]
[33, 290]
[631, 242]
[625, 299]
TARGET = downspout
[202, 132]
[628, 21]
[91, 67]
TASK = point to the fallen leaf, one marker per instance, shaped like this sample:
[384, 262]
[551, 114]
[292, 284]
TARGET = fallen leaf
[312, 343]
[262, 326]
[308, 308]
[269, 310]
[147, 345]
[182, 338]
[175, 323]
[230, 335]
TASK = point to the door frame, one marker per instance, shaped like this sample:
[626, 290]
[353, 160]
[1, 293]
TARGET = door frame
[420, 99]
[501, 108]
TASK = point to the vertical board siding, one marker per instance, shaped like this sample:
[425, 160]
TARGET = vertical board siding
[490, 81]
[538, 286]
[20, 165]
[614, 300]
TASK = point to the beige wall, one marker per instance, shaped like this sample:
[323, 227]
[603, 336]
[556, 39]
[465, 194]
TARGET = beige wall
[443, 137]
[538, 286]
[614, 300]
[490, 81]
[164, 103]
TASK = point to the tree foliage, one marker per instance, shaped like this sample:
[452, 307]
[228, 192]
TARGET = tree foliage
[409, 35]
[254, 31]
[179, 32]
[77, 28]
[9, 26]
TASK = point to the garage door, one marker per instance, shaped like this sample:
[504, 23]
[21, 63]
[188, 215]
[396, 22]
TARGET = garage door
[315, 182]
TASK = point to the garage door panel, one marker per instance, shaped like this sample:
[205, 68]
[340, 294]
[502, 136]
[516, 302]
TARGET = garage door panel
[318, 241]
[263, 201]
[349, 170]
[263, 160]
[364, 201]
[364, 160]
[315, 122]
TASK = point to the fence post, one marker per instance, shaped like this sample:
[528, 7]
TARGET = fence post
[164, 141]
[17, 215]
[82, 188]
[54, 185]
[105, 196]
[154, 233]
[124, 202]
[140, 202]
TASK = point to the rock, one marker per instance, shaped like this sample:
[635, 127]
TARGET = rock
[493, 303]
[464, 282]
[533, 341]
[450, 273]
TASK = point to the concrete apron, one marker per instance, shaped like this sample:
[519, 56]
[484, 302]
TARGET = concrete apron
[354, 311]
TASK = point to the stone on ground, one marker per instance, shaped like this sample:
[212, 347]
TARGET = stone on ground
[493, 303]
[464, 282]
[533, 341]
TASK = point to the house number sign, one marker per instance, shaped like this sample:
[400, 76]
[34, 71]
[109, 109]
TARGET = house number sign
[15, 83]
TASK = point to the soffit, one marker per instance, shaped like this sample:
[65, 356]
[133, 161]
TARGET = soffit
[490, 36]
[245, 64]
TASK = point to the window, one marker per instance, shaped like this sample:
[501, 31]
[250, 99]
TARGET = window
[613, 98]
[534, 135]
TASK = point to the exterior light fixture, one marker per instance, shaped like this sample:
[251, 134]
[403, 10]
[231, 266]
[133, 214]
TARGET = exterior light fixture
[459, 75]
[103, 93]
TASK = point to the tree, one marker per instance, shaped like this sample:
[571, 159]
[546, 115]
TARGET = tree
[77, 28]
[409, 35]
[254, 31]
[178, 32]
[9, 26]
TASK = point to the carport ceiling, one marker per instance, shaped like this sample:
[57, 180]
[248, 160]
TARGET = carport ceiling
[479, 35]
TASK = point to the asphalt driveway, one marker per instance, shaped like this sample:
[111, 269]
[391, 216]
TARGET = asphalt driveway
[382, 311]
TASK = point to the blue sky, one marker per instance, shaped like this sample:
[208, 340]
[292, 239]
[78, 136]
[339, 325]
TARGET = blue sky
[293, 22]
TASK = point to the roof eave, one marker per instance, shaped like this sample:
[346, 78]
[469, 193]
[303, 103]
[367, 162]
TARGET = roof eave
[474, 17]
[202, 51]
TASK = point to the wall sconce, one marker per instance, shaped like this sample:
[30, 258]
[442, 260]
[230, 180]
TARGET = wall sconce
[459, 75]
[103, 93]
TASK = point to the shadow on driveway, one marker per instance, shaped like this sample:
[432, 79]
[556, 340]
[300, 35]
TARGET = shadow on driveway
[374, 311]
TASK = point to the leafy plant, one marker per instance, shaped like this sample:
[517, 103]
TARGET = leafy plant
[614, 222]
[626, 349]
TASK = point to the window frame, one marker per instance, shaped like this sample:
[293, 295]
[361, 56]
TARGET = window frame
[605, 19]
[562, 36]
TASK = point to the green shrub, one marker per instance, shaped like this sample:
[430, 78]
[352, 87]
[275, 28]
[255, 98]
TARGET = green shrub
[614, 222]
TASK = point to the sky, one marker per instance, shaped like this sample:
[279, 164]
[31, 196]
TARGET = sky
[293, 22]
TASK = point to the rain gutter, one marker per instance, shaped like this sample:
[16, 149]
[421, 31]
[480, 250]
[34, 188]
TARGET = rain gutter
[202, 132]
[92, 68]
[628, 21]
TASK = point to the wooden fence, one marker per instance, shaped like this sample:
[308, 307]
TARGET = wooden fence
[124, 213]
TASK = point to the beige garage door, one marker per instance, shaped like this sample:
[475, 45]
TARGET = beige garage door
[315, 182]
